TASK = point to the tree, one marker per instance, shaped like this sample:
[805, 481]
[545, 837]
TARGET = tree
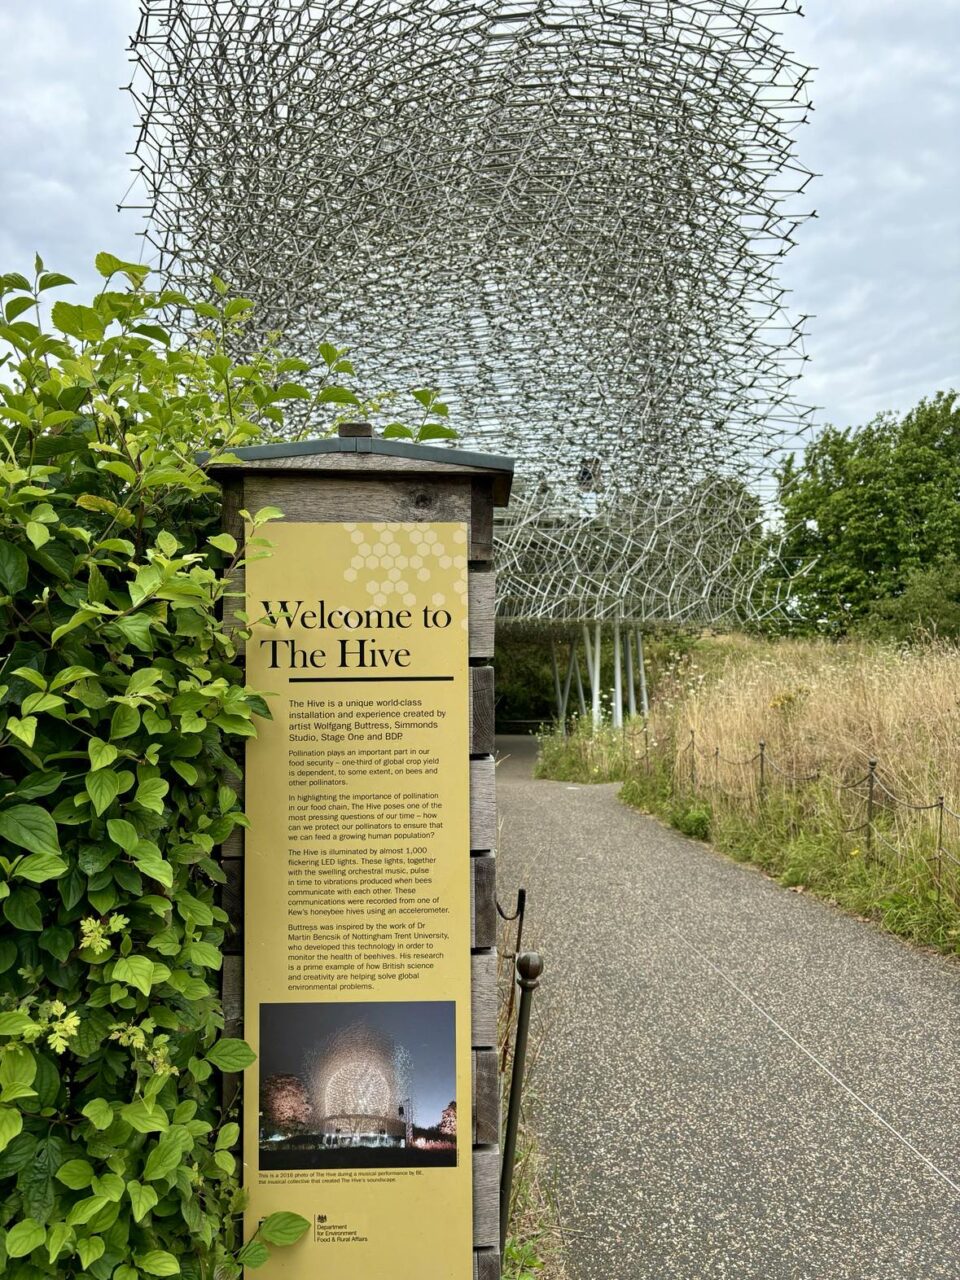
[866, 510]
[286, 1105]
[448, 1121]
[928, 606]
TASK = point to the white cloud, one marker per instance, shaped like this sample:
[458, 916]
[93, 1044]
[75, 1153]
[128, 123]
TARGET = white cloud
[64, 130]
[879, 267]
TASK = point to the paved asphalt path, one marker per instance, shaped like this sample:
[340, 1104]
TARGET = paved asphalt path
[737, 1081]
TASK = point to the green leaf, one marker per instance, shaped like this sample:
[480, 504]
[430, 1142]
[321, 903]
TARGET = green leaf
[11, 1122]
[150, 794]
[35, 785]
[70, 675]
[77, 322]
[16, 307]
[25, 1237]
[143, 1118]
[39, 867]
[99, 1113]
[18, 1067]
[102, 754]
[254, 1254]
[143, 679]
[136, 628]
[283, 1228]
[57, 942]
[123, 833]
[86, 1209]
[136, 971]
[231, 1055]
[110, 1185]
[206, 955]
[121, 469]
[90, 1248]
[52, 280]
[13, 567]
[435, 431]
[34, 703]
[20, 1152]
[78, 620]
[103, 787]
[186, 771]
[152, 865]
[25, 729]
[142, 1199]
[168, 1153]
[31, 676]
[227, 1136]
[30, 827]
[75, 1174]
[14, 1024]
[126, 1273]
[23, 911]
[125, 720]
[158, 1263]
[37, 533]
[224, 542]
[337, 395]
[108, 265]
[57, 1236]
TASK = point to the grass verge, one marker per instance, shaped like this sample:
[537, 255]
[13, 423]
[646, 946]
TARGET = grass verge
[802, 842]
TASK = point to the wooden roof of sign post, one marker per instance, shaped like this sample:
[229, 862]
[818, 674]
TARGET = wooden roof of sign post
[389, 480]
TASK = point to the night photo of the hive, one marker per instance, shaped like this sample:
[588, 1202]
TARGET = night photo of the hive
[357, 1085]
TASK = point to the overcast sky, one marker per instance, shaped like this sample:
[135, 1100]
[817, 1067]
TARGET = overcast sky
[879, 268]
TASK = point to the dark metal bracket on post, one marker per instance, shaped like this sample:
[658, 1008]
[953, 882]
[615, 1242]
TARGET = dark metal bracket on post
[529, 969]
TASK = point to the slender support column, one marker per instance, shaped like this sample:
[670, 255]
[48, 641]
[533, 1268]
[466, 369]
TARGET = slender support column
[642, 666]
[556, 680]
[631, 690]
[581, 700]
[596, 709]
[566, 685]
[617, 678]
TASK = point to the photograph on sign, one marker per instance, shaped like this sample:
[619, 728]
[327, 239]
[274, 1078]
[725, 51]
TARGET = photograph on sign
[354, 1086]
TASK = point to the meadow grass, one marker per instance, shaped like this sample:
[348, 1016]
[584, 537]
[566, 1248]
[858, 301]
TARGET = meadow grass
[822, 711]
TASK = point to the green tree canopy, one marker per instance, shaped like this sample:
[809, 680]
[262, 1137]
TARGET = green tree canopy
[866, 510]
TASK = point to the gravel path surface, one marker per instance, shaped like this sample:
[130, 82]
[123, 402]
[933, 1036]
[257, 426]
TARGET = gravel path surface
[738, 1081]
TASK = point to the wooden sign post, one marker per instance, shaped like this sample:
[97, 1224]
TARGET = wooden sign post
[364, 892]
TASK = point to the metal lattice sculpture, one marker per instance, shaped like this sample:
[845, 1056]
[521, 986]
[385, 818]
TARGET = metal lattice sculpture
[568, 215]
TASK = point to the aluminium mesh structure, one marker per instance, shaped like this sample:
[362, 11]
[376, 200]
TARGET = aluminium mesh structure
[566, 215]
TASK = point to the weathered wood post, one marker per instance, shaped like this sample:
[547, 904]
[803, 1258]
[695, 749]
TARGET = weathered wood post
[364, 745]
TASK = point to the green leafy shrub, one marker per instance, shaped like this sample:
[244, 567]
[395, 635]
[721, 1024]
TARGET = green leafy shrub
[122, 707]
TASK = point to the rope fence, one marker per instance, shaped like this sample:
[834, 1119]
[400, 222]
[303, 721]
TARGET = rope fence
[891, 825]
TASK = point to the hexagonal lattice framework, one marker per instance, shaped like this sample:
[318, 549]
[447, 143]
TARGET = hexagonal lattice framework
[568, 215]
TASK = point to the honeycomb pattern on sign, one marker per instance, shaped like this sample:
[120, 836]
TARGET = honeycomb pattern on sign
[396, 564]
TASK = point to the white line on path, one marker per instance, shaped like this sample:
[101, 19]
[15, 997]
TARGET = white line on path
[725, 977]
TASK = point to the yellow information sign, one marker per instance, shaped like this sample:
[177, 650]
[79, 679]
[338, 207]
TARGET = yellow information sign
[357, 1113]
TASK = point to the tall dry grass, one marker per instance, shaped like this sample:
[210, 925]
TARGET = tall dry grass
[823, 711]
[821, 707]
